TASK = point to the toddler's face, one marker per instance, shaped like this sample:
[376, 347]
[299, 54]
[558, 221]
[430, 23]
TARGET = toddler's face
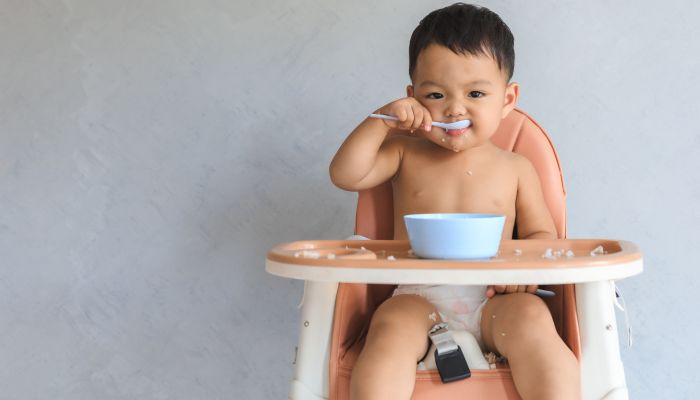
[454, 87]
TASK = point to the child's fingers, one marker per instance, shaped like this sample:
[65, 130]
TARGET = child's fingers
[512, 288]
[423, 119]
[490, 291]
[506, 289]
[427, 121]
[403, 117]
[519, 288]
[406, 119]
[418, 116]
[391, 112]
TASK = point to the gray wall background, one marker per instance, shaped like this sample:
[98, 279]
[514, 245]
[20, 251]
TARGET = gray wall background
[152, 151]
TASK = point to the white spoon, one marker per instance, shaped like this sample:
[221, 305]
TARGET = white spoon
[463, 124]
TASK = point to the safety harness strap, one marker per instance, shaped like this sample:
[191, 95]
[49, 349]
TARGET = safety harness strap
[449, 358]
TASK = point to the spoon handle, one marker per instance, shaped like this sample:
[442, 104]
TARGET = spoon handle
[392, 118]
[382, 116]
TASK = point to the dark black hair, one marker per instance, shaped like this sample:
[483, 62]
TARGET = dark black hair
[465, 29]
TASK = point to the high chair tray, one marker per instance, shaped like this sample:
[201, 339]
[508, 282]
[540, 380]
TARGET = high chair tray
[553, 261]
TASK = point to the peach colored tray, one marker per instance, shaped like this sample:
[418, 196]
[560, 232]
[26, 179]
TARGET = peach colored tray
[517, 261]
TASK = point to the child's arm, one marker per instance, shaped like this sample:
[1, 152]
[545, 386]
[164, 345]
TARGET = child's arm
[366, 159]
[532, 215]
[532, 218]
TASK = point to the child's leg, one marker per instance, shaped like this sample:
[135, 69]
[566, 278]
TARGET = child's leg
[396, 341]
[519, 326]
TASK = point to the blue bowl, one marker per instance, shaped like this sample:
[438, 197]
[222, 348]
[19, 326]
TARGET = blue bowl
[455, 236]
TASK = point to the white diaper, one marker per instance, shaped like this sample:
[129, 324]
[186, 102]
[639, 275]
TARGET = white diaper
[459, 306]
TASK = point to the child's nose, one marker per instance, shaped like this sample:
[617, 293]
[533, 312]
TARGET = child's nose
[456, 109]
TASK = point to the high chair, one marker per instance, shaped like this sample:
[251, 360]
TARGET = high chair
[338, 303]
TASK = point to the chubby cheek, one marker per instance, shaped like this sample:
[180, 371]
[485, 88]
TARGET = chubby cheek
[435, 114]
[493, 125]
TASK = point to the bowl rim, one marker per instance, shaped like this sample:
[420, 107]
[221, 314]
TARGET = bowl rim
[453, 216]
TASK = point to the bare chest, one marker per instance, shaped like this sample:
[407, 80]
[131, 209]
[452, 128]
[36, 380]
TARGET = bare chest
[465, 190]
[454, 186]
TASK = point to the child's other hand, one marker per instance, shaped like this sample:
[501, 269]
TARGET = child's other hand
[505, 289]
[412, 115]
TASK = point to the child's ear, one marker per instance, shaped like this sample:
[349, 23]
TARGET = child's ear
[511, 98]
[409, 91]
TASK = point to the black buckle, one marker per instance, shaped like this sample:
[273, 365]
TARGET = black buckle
[452, 366]
[449, 358]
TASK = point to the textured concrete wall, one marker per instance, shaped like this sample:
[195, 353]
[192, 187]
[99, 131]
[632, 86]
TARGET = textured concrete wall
[151, 152]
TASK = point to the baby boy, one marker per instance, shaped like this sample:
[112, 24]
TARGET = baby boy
[461, 61]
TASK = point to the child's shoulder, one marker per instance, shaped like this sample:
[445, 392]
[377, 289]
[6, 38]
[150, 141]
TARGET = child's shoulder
[519, 163]
[514, 161]
[511, 157]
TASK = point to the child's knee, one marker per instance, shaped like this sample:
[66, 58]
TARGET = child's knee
[531, 318]
[530, 307]
[520, 317]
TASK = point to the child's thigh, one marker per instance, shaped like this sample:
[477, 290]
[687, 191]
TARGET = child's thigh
[407, 311]
[513, 319]
[403, 320]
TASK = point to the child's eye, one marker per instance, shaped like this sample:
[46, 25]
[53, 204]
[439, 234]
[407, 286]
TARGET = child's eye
[475, 94]
[434, 95]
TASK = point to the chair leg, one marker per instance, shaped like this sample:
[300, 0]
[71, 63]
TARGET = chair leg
[313, 352]
[602, 373]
